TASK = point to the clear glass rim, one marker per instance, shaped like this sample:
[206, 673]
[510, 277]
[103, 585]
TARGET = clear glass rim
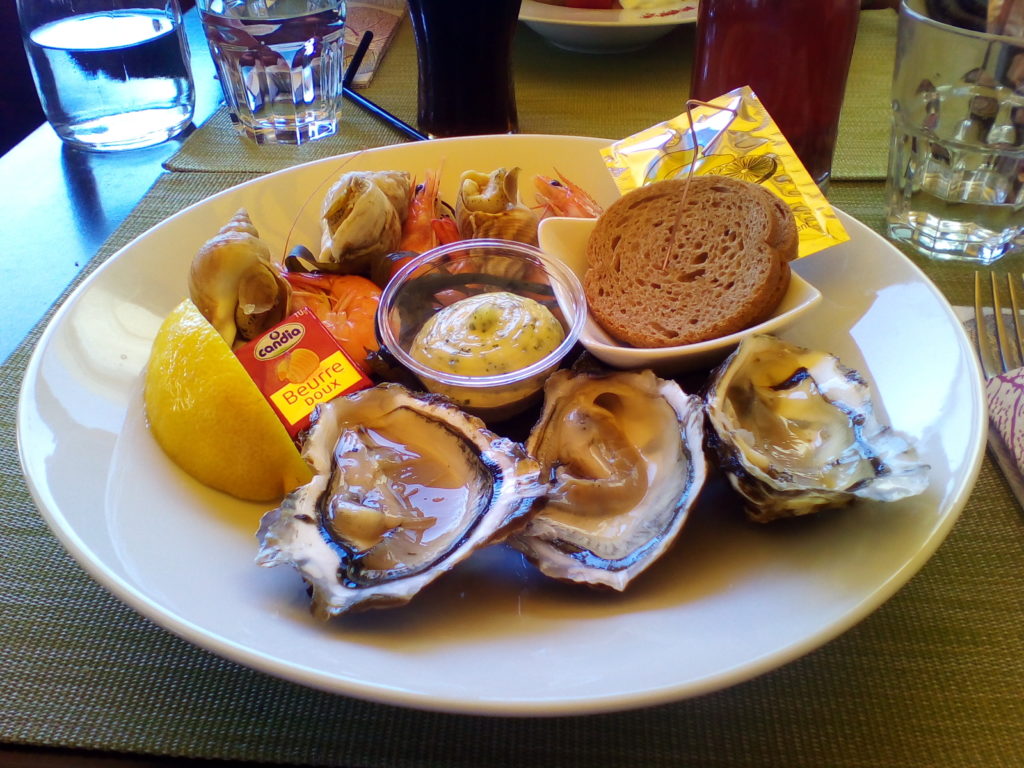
[556, 269]
[908, 10]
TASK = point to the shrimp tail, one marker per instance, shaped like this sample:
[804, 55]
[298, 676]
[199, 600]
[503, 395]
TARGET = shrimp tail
[445, 230]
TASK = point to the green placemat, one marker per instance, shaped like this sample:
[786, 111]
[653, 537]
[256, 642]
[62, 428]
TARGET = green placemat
[862, 151]
[933, 678]
[865, 201]
[564, 93]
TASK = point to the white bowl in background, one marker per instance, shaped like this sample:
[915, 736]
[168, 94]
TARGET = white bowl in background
[586, 30]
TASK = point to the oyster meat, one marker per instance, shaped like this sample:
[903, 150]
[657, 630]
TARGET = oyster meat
[623, 453]
[405, 486]
[795, 431]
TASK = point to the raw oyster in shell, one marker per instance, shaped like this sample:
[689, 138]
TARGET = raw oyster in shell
[795, 431]
[623, 452]
[405, 486]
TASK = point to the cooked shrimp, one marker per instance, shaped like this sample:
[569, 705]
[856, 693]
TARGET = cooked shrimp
[426, 226]
[345, 304]
[417, 234]
[445, 230]
[561, 197]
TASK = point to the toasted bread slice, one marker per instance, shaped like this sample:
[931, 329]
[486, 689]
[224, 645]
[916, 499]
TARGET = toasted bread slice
[670, 265]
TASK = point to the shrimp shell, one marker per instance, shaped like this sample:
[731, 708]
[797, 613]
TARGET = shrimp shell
[424, 206]
[562, 197]
[233, 284]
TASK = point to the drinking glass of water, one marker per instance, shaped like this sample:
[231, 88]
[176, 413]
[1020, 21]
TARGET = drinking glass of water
[280, 65]
[955, 184]
[111, 74]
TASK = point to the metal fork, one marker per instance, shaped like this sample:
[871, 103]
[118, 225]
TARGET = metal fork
[999, 349]
[999, 340]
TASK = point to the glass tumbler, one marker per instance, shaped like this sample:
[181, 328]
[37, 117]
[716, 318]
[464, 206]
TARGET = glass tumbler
[955, 185]
[280, 65]
[111, 74]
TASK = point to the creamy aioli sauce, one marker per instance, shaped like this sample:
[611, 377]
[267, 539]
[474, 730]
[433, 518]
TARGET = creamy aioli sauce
[487, 335]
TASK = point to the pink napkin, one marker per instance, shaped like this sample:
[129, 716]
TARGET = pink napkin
[381, 17]
[1005, 395]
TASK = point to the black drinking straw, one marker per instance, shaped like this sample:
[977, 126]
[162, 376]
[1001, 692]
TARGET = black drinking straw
[357, 59]
[365, 103]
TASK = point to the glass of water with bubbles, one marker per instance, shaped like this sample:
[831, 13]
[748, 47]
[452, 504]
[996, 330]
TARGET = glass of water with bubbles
[111, 74]
[956, 164]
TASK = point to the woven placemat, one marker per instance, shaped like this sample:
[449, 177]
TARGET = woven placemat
[862, 151]
[564, 93]
[933, 678]
[866, 202]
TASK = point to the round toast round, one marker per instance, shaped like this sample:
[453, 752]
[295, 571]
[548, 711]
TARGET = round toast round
[682, 261]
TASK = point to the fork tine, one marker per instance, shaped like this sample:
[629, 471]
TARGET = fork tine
[1008, 348]
[1017, 326]
[988, 357]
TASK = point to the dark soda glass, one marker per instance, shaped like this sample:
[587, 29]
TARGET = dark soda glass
[795, 54]
[464, 49]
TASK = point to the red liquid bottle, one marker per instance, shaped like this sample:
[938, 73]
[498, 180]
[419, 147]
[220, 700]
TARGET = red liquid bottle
[795, 54]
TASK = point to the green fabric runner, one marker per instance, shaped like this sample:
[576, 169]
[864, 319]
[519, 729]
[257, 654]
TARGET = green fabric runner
[558, 92]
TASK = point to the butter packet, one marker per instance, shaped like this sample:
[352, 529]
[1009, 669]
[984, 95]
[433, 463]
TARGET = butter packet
[297, 365]
[735, 137]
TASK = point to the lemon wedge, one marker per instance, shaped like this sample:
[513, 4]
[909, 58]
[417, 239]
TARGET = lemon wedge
[210, 418]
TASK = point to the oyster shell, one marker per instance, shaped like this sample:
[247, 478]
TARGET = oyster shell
[405, 486]
[795, 431]
[624, 454]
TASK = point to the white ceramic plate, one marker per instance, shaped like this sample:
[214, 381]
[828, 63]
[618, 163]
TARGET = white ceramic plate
[732, 600]
[586, 30]
[566, 239]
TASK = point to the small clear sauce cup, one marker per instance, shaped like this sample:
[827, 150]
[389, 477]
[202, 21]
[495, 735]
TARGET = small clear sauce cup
[435, 279]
